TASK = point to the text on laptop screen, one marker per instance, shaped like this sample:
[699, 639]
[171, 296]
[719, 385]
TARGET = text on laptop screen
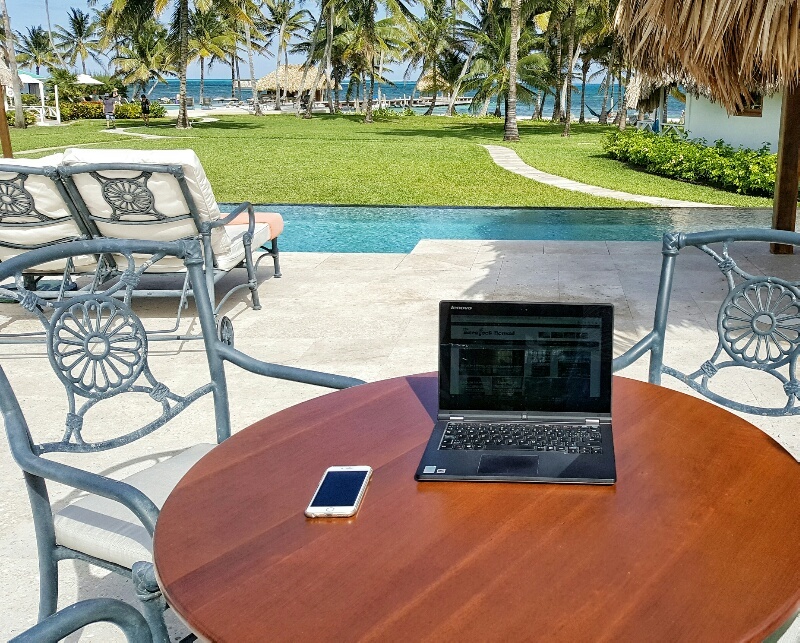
[527, 361]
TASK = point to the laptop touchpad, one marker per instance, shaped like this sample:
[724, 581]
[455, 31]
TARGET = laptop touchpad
[513, 465]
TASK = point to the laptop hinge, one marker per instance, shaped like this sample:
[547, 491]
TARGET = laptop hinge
[592, 420]
[456, 417]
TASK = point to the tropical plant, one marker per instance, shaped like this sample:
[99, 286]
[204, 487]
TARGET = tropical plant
[283, 22]
[33, 48]
[147, 58]
[79, 38]
[209, 38]
[68, 89]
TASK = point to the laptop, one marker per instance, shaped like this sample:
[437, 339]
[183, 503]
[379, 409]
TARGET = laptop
[524, 394]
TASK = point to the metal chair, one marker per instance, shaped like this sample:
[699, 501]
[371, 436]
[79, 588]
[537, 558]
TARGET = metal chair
[164, 195]
[98, 349]
[64, 622]
[758, 322]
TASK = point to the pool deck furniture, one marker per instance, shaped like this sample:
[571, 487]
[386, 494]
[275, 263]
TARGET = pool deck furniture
[98, 348]
[758, 322]
[693, 542]
[75, 617]
[388, 328]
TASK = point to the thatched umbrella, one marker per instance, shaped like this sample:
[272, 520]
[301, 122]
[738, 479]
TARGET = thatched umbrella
[291, 76]
[731, 48]
[6, 80]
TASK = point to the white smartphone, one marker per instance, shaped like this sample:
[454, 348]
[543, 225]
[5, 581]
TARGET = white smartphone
[339, 493]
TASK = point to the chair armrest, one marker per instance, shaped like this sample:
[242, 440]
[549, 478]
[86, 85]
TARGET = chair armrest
[128, 495]
[635, 352]
[236, 212]
[74, 617]
[291, 373]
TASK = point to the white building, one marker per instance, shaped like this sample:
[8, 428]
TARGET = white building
[751, 128]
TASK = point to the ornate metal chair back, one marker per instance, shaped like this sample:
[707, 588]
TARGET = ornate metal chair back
[36, 211]
[758, 321]
[98, 346]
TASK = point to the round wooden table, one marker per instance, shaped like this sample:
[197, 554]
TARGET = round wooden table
[698, 540]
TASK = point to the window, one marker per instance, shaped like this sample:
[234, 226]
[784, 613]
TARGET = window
[752, 106]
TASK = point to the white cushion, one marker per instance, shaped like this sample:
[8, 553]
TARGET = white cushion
[169, 199]
[48, 201]
[226, 261]
[108, 530]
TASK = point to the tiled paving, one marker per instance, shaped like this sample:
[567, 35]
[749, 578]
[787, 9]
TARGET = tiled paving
[370, 316]
[509, 160]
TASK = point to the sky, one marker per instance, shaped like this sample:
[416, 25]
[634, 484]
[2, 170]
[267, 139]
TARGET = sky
[30, 13]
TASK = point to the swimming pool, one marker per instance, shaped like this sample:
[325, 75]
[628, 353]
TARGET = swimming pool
[325, 228]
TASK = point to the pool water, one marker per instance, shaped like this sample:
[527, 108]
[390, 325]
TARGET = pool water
[324, 228]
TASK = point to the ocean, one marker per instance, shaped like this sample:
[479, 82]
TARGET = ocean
[221, 88]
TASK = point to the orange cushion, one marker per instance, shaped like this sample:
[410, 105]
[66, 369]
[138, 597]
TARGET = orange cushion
[273, 219]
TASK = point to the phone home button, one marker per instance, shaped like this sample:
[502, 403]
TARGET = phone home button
[329, 510]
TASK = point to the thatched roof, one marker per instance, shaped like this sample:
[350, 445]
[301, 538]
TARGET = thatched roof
[730, 47]
[290, 76]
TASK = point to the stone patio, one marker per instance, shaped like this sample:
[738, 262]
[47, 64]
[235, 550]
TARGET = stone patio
[370, 316]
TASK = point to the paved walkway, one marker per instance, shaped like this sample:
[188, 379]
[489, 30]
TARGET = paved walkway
[509, 160]
[125, 131]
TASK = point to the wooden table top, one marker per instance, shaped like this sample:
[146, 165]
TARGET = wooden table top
[698, 540]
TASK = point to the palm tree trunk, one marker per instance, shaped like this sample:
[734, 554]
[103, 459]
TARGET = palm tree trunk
[238, 80]
[462, 73]
[584, 73]
[50, 36]
[609, 83]
[367, 105]
[485, 106]
[19, 115]
[328, 55]
[307, 65]
[510, 131]
[253, 92]
[540, 106]
[623, 120]
[560, 63]
[312, 92]
[278, 71]
[429, 111]
[83, 64]
[202, 78]
[233, 75]
[183, 22]
[568, 83]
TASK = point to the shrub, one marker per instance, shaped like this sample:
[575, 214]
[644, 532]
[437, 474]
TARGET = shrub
[93, 109]
[384, 113]
[740, 170]
[31, 99]
[30, 117]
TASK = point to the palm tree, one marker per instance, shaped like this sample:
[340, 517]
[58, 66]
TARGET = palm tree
[33, 48]
[510, 130]
[9, 54]
[283, 23]
[208, 38]
[147, 58]
[50, 34]
[79, 38]
[431, 38]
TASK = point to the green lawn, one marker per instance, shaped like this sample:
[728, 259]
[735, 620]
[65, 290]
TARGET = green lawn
[410, 160]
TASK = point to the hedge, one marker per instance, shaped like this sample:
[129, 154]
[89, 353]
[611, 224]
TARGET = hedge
[93, 109]
[741, 170]
[30, 117]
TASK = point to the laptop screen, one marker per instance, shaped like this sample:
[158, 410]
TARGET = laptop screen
[522, 357]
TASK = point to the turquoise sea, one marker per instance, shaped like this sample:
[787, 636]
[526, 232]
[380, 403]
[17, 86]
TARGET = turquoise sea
[221, 88]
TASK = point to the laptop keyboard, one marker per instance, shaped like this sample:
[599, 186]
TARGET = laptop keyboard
[566, 438]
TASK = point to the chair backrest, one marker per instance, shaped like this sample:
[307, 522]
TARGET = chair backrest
[98, 346]
[154, 195]
[758, 320]
[35, 209]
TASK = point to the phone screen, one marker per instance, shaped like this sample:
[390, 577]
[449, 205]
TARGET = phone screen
[339, 489]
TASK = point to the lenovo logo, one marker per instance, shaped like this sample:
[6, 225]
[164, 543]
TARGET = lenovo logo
[460, 307]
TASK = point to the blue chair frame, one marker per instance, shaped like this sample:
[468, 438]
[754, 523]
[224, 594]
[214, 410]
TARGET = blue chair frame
[97, 361]
[758, 323]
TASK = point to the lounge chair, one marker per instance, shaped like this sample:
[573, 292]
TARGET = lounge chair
[36, 211]
[164, 195]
